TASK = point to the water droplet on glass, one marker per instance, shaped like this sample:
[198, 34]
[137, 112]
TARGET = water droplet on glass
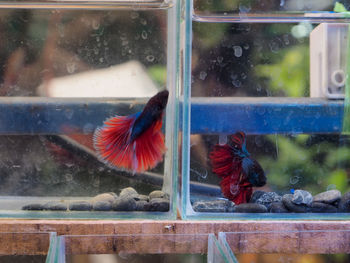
[200, 172]
[143, 22]
[286, 39]
[261, 110]
[237, 83]
[274, 46]
[244, 8]
[88, 128]
[95, 24]
[237, 51]
[134, 15]
[124, 255]
[222, 139]
[69, 114]
[246, 46]
[101, 60]
[68, 177]
[144, 34]
[71, 67]
[96, 182]
[282, 3]
[331, 187]
[220, 59]
[150, 58]
[234, 189]
[202, 75]
[294, 179]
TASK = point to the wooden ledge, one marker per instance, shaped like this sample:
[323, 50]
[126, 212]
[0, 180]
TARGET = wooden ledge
[335, 241]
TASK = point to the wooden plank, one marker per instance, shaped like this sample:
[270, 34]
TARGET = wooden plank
[336, 241]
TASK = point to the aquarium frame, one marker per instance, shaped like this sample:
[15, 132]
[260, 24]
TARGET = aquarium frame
[329, 120]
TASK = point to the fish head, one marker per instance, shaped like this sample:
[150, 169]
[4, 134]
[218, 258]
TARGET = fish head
[238, 144]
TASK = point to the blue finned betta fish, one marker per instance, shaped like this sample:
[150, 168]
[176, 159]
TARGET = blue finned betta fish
[134, 142]
[238, 170]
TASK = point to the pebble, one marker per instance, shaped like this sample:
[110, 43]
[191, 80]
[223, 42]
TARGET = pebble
[250, 208]
[302, 197]
[268, 198]
[141, 205]
[287, 201]
[80, 206]
[124, 203]
[214, 206]
[158, 194]
[55, 206]
[36, 207]
[106, 197]
[158, 204]
[278, 207]
[128, 192]
[102, 206]
[256, 195]
[142, 198]
[319, 207]
[328, 197]
[344, 203]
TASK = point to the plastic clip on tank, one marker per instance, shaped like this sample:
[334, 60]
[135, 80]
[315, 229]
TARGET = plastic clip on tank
[328, 48]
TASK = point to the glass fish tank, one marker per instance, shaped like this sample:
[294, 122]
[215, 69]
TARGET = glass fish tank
[89, 108]
[20, 247]
[142, 248]
[266, 110]
[287, 246]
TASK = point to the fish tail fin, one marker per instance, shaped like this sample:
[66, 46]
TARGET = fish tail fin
[237, 191]
[221, 158]
[114, 147]
[149, 147]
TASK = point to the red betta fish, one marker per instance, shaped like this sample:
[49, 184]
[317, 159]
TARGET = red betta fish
[239, 172]
[134, 142]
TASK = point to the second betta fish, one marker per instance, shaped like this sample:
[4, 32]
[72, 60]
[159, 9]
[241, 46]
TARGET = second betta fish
[134, 142]
[238, 170]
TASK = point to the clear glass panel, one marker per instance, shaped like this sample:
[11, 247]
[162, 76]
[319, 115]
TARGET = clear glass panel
[66, 67]
[288, 246]
[264, 9]
[274, 81]
[141, 248]
[27, 247]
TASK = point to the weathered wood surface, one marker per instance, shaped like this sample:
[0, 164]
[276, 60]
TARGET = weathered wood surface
[193, 240]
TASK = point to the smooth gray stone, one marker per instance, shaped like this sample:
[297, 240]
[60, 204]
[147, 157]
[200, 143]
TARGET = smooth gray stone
[302, 197]
[102, 206]
[125, 203]
[128, 192]
[344, 203]
[278, 207]
[328, 197]
[158, 194]
[256, 195]
[319, 207]
[214, 206]
[80, 206]
[268, 198]
[105, 197]
[287, 201]
[56, 206]
[250, 208]
[36, 207]
[142, 198]
[141, 205]
[158, 204]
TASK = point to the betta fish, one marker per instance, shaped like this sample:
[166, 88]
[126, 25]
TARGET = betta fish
[238, 170]
[134, 142]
